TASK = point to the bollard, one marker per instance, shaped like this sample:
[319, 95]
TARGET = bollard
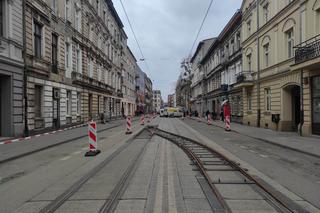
[93, 144]
[142, 120]
[209, 121]
[227, 127]
[129, 123]
[148, 118]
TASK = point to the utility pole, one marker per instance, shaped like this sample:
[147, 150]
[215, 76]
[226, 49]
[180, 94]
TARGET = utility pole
[258, 67]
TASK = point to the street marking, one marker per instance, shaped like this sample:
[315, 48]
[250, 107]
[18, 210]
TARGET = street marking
[250, 150]
[84, 148]
[77, 152]
[37, 136]
[264, 156]
[243, 147]
[65, 158]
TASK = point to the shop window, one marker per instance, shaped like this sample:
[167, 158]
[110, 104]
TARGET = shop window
[79, 103]
[68, 102]
[38, 99]
[249, 101]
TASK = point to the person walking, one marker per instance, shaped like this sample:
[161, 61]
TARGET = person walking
[227, 115]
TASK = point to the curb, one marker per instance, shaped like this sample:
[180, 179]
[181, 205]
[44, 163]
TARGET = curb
[268, 141]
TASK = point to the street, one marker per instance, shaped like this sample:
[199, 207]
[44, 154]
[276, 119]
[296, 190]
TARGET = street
[146, 172]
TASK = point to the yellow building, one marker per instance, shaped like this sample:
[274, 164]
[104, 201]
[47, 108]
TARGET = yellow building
[281, 53]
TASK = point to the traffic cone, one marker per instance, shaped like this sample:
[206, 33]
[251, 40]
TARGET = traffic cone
[129, 124]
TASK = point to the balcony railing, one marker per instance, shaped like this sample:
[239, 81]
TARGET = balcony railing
[244, 76]
[224, 87]
[307, 50]
[83, 80]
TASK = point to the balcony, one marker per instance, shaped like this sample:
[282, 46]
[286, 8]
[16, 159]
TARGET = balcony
[83, 80]
[224, 87]
[308, 51]
[119, 93]
[244, 79]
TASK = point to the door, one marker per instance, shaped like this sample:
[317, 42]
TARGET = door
[90, 107]
[56, 108]
[316, 105]
[296, 107]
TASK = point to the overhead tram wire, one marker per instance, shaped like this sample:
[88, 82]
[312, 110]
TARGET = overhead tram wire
[135, 37]
[204, 19]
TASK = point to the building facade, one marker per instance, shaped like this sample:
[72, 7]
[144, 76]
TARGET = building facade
[148, 93]
[221, 66]
[280, 42]
[197, 76]
[11, 68]
[129, 83]
[73, 62]
[140, 91]
[157, 100]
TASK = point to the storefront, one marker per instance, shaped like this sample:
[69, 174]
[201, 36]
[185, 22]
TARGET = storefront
[316, 105]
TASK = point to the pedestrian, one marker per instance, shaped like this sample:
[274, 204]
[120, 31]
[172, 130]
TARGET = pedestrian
[221, 114]
[207, 113]
[227, 114]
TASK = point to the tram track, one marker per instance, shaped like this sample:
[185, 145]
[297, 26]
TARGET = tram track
[112, 201]
[210, 162]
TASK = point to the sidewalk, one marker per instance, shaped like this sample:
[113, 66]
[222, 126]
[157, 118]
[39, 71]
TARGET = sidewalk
[291, 140]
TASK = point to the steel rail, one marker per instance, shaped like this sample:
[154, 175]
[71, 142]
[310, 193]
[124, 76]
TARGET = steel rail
[286, 207]
[62, 198]
[113, 200]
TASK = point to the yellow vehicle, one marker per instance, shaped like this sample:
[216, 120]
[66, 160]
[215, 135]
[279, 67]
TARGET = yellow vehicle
[174, 112]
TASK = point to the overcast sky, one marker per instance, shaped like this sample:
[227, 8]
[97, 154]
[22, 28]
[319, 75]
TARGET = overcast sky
[166, 30]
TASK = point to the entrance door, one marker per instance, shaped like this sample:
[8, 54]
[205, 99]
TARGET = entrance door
[56, 107]
[316, 105]
[90, 106]
[296, 107]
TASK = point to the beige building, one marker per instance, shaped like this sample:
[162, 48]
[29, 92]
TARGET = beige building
[281, 42]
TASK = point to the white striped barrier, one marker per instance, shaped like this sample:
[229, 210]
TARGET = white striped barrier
[227, 127]
[129, 125]
[209, 121]
[93, 144]
[142, 120]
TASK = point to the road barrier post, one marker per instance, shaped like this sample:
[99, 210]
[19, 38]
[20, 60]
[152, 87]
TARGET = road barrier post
[227, 127]
[93, 144]
[142, 119]
[129, 125]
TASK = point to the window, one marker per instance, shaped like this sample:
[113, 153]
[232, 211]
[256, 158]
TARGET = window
[67, 9]
[249, 100]
[68, 55]
[78, 60]
[68, 102]
[99, 104]
[90, 67]
[1, 18]
[79, 103]
[98, 72]
[104, 16]
[37, 40]
[54, 5]
[268, 99]
[98, 7]
[266, 54]
[266, 13]
[38, 101]
[78, 19]
[290, 42]
[249, 27]
[249, 62]
[54, 53]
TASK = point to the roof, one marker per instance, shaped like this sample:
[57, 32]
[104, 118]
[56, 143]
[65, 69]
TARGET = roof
[114, 12]
[129, 50]
[201, 43]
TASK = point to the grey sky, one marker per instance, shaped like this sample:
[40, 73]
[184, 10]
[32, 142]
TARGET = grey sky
[166, 30]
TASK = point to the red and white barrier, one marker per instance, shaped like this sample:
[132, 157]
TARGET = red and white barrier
[142, 120]
[148, 118]
[129, 125]
[93, 144]
[209, 120]
[227, 120]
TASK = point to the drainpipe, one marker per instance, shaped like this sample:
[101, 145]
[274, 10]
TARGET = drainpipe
[26, 127]
[301, 80]
[258, 68]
